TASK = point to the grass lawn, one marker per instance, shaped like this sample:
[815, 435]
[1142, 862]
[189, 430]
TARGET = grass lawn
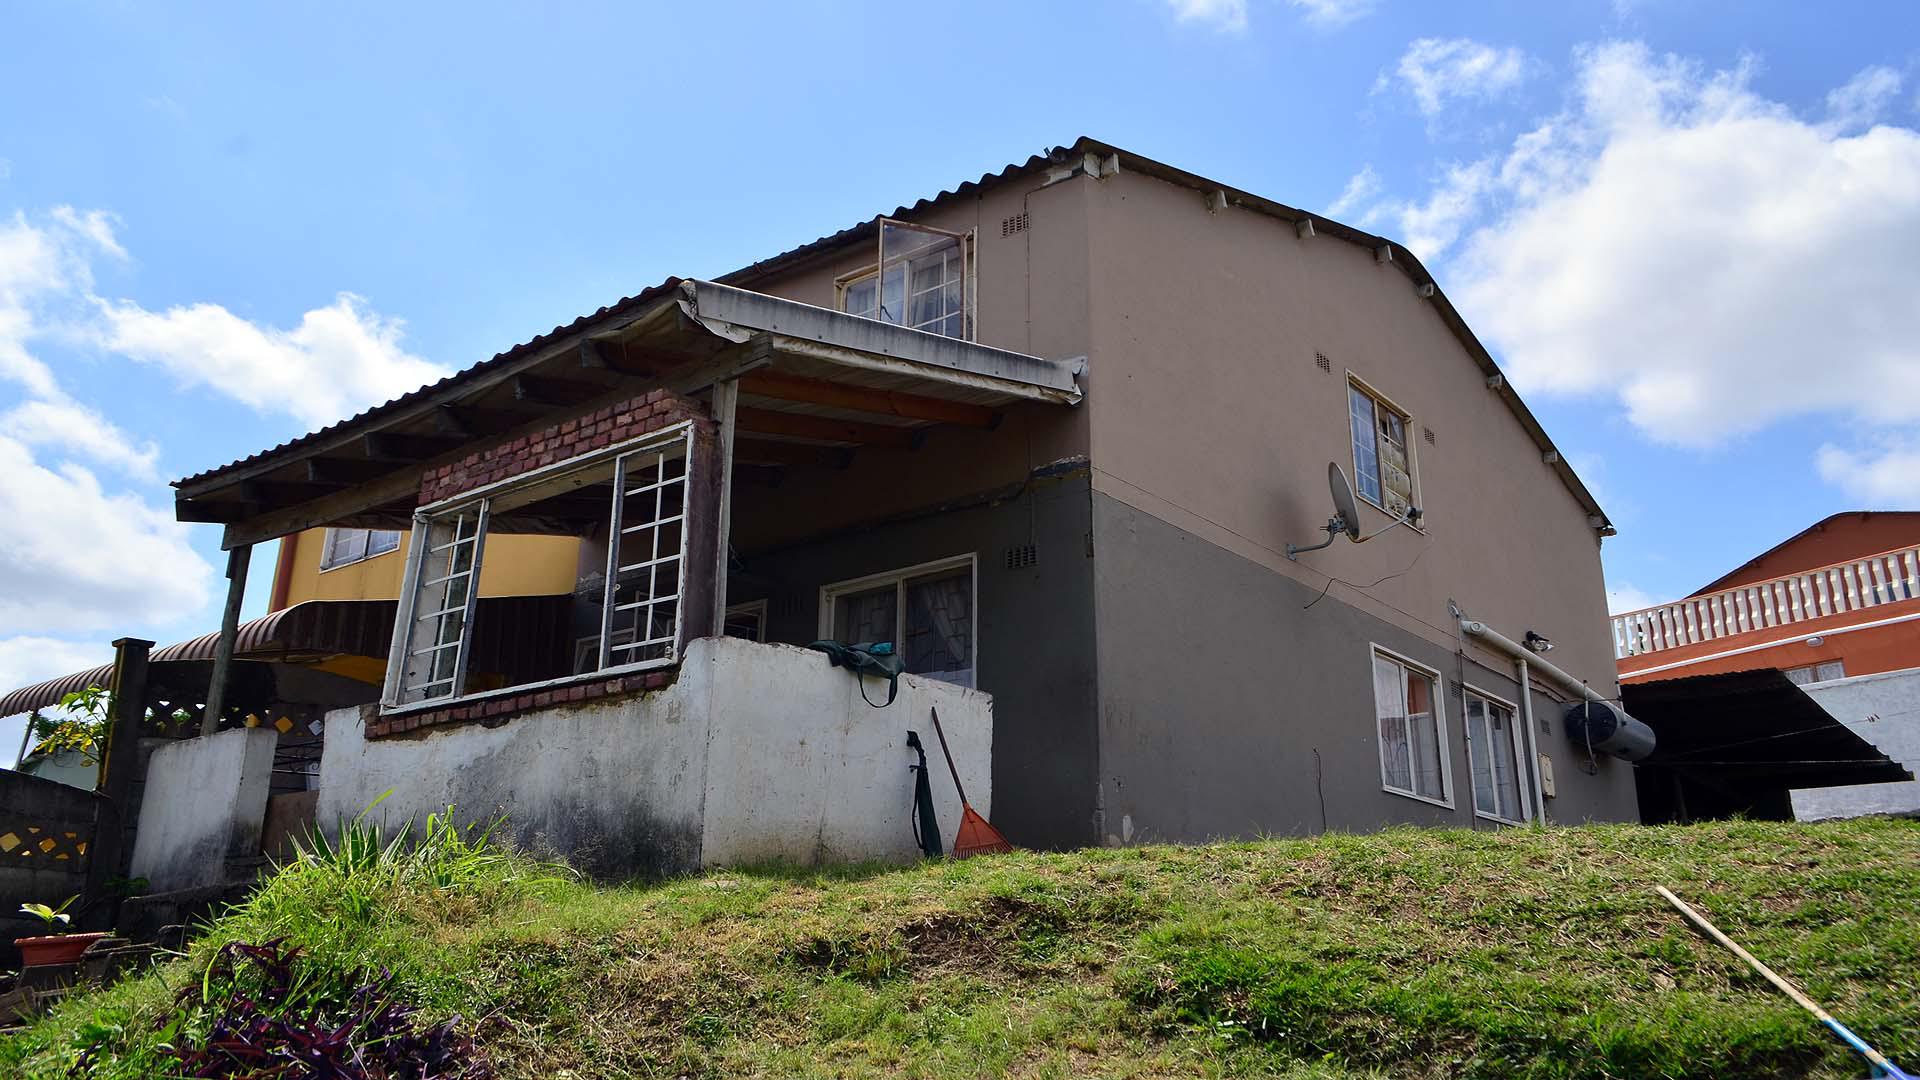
[1411, 953]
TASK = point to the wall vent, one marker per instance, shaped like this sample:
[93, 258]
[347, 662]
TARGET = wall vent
[787, 604]
[1016, 224]
[1021, 556]
[1320, 361]
[1427, 433]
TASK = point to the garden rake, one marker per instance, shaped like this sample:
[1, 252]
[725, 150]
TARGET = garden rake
[976, 836]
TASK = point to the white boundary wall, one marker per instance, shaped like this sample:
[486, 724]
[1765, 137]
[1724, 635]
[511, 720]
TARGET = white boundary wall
[757, 753]
[1883, 709]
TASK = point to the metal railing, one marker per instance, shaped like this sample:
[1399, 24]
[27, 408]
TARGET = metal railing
[1886, 578]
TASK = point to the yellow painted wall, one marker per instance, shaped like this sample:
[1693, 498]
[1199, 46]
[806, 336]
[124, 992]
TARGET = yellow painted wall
[513, 565]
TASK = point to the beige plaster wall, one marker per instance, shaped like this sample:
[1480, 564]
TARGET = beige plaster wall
[1207, 409]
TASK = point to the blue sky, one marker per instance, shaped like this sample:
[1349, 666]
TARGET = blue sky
[1686, 228]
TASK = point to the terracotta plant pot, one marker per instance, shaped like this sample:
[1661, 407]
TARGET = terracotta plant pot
[54, 949]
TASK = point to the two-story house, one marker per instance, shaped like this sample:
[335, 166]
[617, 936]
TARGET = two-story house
[1058, 434]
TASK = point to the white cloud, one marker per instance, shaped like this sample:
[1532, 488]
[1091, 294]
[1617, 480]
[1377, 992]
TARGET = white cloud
[1863, 99]
[1431, 227]
[1886, 477]
[1714, 261]
[95, 225]
[1626, 597]
[1331, 14]
[1228, 15]
[76, 557]
[75, 427]
[340, 358]
[1439, 70]
[1362, 188]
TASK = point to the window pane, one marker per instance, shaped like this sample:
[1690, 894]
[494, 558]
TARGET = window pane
[381, 541]
[1506, 766]
[859, 296]
[1423, 733]
[1479, 756]
[893, 293]
[1390, 708]
[436, 638]
[1366, 461]
[939, 639]
[866, 617]
[649, 553]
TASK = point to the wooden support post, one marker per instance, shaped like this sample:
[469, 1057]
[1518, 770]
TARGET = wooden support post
[237, 561]
[107, 854]
[726, 399]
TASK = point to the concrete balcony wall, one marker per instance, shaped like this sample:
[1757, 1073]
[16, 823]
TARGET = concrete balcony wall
[756, 753]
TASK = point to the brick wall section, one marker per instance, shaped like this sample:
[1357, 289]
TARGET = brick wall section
[496, 710]
[566, 439]
[569, 438]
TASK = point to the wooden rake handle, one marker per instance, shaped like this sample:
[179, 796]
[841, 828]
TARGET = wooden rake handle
[948, 754]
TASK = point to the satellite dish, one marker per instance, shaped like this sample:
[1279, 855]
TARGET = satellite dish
[1344, 509]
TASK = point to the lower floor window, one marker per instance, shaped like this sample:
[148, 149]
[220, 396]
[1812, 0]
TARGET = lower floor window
[1413, 747]
[927, 612]
[1493, 749]
[626, 506]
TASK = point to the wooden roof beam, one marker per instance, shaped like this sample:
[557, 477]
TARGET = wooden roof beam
[762, 452]
[824, 429]
[798, 388]
[406, 449]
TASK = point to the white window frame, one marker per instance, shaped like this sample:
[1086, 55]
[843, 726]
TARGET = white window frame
[366, 552]
[1380, 400]
[479, 501]
[1522, 777]
[755, 608]
[1374, 649]
[898, 579]
[968, 278]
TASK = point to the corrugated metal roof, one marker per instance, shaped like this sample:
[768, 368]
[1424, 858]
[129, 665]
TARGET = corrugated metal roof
[750, 272]
[358, 627]
[584, 322]
[1057, 155]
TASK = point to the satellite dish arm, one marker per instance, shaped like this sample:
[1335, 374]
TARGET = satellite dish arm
[1335, 526]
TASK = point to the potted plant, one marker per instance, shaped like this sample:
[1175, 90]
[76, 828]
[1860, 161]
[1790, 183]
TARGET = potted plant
[56, 946]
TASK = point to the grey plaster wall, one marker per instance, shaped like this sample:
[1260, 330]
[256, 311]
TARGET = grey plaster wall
[1883, 709]
[205, 802]
[1035, 636]
[1229, 708]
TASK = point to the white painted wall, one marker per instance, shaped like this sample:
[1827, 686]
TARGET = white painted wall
[756, 753]
[1883, 709]
[206, 800]
[801, 770]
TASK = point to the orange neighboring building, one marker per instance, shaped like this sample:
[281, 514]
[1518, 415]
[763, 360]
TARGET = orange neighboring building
[1840, 599]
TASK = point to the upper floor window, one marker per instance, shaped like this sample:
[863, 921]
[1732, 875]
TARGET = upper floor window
[345, 546]
[1382, 467]
[919, 280]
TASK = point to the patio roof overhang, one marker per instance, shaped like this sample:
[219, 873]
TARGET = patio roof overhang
[813, 384]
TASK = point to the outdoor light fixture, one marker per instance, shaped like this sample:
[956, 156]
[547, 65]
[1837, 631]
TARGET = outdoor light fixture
[1537, 643]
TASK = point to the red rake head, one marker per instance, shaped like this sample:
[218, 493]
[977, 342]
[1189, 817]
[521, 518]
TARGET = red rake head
[976, 837]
